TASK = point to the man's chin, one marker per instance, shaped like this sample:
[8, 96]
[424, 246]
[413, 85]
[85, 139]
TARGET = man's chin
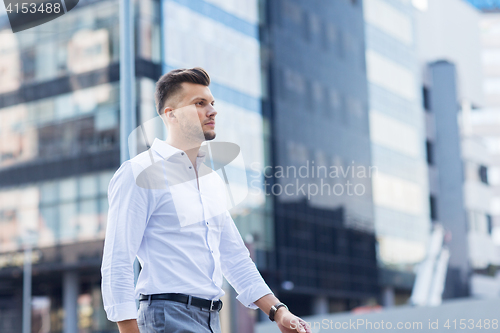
[209, 136]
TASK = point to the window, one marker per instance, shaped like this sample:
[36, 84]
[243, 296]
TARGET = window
[313, 26]
[489, 222]
[309, 95]
[493, 176]
[390, 20]
[491, 56]
[491, 86]
[292, 12]
[28, 59]
[390, 75]
[352, 48]
[341, 44]
[331, 36]
[430, 152]
[433, 207]
[394, 134]
[317, 93]
[483, 174]
[335, 102]
[397, 194]
[425, 99]
[354, 107]
[324, 36]
[294, 82]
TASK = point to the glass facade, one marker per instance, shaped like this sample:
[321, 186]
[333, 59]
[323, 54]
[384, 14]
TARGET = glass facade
[223, 39]
[77, 112]
[320, 172]
[84, 41]
[397, 134]
[290, 82]
[59, 147]
[65, 125]
[59, 211]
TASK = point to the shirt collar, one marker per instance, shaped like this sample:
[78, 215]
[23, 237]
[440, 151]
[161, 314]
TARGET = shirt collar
[166, 151]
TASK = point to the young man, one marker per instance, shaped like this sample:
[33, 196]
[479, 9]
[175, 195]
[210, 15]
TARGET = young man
[167, 208]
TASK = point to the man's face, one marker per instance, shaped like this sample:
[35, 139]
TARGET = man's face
[195, 111]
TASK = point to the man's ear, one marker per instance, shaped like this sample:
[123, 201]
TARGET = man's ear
[169, 112]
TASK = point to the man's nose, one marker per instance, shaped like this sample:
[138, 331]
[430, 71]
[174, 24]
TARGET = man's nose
[211, 112]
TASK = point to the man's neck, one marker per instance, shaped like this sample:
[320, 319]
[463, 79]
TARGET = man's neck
[191, 148]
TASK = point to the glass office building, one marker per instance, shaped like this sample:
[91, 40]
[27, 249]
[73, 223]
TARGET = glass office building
[397, 133]
[60, 140]
[223, 38]
[316, 105]
[59, 147]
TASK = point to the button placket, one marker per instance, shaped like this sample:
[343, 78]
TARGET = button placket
[206, 221]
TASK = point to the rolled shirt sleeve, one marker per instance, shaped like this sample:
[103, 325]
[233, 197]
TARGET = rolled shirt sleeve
[129, 210]
[238, 268]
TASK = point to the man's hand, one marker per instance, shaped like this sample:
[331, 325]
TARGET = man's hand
[128, 326]
[289, 323]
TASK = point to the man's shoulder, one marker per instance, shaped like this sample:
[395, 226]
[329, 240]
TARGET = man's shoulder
[143, 160]
[137, 169]
[148, 171]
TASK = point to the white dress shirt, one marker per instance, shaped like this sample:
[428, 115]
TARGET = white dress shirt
[183, 236]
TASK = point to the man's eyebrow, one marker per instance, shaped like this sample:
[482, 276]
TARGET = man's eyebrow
[201, 99]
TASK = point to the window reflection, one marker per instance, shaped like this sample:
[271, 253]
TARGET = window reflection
[60, 211]
[10, 66]
[16, 137]
[85, 121]
[85, 40]
[88, 50]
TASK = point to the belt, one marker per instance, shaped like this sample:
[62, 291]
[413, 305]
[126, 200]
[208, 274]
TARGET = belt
[210, 305]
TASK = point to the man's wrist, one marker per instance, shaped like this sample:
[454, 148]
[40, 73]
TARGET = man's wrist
[280, 313]
[128, 326]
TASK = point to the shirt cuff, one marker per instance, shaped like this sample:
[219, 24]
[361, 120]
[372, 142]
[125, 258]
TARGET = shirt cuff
[248, 296]
[121, 312]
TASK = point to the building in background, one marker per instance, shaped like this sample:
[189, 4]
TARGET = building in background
[59, 147]
[446, 172]
[59, 130]
[461, 194]
[397, 134]
[316, 111]
[325, 100]
[485, 123]
[450, 69]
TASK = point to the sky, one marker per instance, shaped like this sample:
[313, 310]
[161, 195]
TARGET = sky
[485, 4]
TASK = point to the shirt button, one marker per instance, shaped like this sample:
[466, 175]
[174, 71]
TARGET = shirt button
[212, 251]
[190, 167]
[207, 223]
[182, 153]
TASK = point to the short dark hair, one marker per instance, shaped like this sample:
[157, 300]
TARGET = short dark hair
[169, 84]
